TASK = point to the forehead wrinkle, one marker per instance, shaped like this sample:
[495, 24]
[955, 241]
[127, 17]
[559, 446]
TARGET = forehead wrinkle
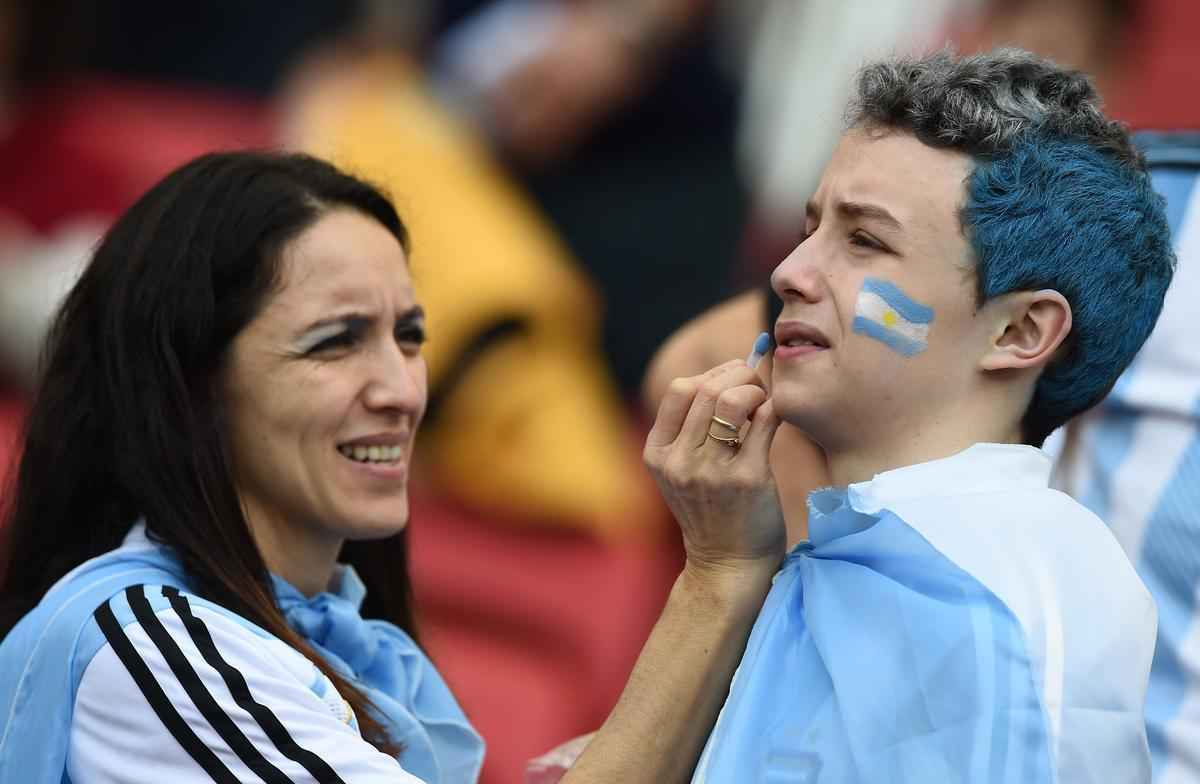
[343, 264]
[345, 287]
[875, 167]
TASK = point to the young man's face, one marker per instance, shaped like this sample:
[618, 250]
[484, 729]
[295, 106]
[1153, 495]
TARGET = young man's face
[878, 337]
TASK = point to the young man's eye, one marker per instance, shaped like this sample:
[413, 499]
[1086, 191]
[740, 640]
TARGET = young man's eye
[865, 240]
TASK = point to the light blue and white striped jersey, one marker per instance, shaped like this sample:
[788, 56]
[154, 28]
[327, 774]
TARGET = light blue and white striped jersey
[951, 621]
[1135, 461]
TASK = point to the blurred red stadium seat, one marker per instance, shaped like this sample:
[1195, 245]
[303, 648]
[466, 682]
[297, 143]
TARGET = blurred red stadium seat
[535, 630]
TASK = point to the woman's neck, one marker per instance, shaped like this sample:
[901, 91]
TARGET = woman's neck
[301, 556]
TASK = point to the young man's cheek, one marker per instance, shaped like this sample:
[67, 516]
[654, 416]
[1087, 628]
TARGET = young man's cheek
[885, 313]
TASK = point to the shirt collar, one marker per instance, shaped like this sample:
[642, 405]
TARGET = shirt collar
[345, 583]
[981, 468]
[136, 537]
[345, 586]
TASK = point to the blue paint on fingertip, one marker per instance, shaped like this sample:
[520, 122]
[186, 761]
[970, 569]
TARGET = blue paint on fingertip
[762, 344]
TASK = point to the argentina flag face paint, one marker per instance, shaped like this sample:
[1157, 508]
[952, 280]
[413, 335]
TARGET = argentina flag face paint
[887, 314]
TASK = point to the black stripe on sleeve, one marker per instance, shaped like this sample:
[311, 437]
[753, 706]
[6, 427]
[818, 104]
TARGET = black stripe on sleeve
[221, 721]
[236, 683]
[166, 712]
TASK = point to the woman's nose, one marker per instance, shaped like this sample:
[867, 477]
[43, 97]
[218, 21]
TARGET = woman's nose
[397, 383]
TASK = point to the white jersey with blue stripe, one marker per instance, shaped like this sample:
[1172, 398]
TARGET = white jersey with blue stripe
[1135, 461]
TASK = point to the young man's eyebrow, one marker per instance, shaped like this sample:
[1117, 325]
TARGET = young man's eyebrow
[853, 209]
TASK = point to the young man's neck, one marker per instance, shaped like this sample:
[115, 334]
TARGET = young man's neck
[862, 462]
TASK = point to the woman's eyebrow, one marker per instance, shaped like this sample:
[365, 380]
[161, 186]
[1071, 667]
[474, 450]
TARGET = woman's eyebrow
[327, 328]
[414, 314]
[331, 324]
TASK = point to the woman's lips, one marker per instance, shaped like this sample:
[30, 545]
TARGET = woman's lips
[390, 471]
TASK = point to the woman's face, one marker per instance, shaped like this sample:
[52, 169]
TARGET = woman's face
[325, 388]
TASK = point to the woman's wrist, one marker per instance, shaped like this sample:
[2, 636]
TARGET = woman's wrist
[734, 587]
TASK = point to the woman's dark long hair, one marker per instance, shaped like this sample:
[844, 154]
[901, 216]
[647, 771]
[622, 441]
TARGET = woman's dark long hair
[128, 422]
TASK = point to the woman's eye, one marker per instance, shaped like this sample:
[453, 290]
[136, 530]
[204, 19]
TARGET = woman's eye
[410, 336]
[340, 340]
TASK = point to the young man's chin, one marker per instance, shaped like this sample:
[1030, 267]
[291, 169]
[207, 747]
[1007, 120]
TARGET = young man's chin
[801, 412]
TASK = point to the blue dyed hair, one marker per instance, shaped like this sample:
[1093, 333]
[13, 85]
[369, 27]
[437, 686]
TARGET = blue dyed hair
[1058, 199]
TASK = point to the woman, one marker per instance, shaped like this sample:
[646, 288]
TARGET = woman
[231, 395]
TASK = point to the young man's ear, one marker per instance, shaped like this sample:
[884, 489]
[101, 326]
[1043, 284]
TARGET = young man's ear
[1030, 327]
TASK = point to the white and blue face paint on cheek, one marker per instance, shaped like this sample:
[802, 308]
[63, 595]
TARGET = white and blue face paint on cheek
[887, 314]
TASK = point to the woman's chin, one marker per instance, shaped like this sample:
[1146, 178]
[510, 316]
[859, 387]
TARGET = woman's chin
[378, 525]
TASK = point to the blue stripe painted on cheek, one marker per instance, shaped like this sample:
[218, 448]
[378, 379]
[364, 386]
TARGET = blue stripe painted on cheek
[894, 341]
[898, 301]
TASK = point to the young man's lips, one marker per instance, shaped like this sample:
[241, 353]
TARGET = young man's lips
[796, 339]
[785, 353]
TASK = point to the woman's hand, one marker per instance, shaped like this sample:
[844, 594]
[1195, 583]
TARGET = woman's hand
[724, 498]
[722, 495]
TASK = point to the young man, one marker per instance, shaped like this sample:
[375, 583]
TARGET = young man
[983, 257]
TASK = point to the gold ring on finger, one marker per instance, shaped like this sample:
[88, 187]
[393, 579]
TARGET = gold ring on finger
[733, 442]
[727, 425]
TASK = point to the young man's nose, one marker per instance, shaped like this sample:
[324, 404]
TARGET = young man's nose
[799, 276]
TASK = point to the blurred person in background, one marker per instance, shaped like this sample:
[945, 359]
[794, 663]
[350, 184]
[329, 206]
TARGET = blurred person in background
[620, 119]
[100, 100]
[1135, 459]
[1135, 462]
